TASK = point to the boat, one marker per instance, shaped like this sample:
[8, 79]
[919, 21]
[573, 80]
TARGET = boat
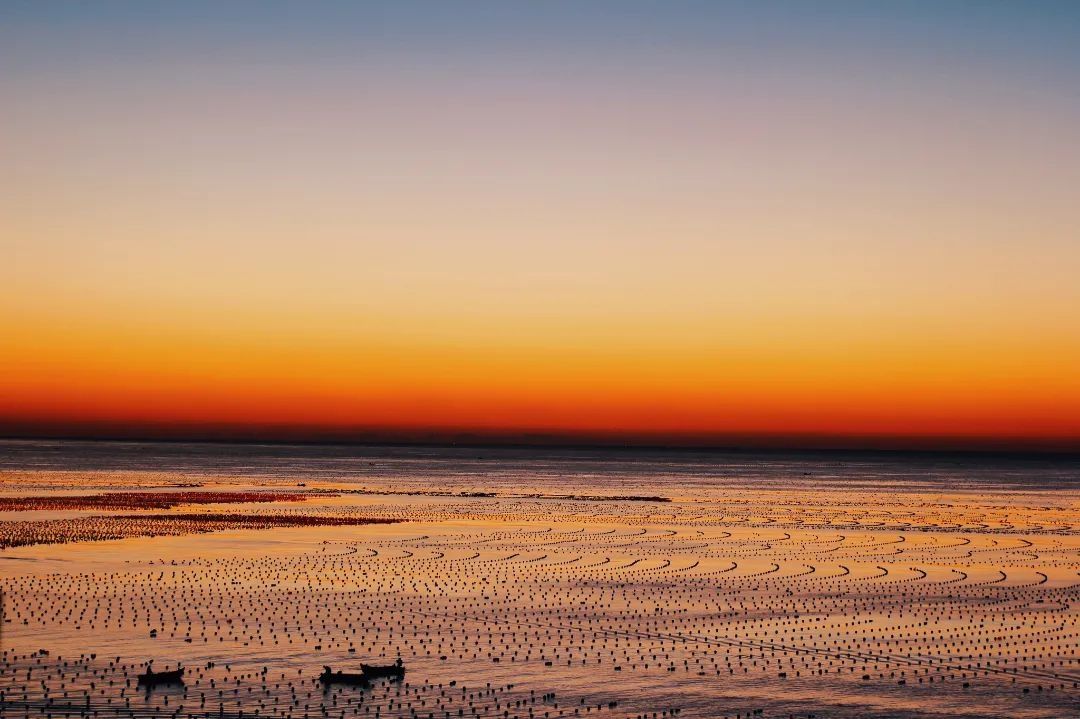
[329, 676]
[391, 671]
[152, 678]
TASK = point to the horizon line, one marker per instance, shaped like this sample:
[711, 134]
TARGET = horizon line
[526, 439]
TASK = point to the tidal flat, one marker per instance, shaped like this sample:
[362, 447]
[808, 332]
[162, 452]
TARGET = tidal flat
[527, 583]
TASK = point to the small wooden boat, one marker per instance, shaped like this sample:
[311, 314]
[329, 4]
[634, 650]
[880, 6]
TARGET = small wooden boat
[390, 671]
[152, 678]
[331, 677]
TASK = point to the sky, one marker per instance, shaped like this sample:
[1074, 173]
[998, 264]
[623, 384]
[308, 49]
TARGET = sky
[788, 223]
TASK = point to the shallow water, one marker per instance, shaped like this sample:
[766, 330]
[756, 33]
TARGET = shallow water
[769, 583]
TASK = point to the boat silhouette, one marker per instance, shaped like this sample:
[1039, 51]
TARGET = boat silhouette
[152, 678]
[329, 676]
[367, 673]
[390, 671]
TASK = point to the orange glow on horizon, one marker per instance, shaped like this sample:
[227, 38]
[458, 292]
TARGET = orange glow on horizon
[295, 384]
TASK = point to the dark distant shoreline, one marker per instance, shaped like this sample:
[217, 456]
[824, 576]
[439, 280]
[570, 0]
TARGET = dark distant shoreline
[556, 444]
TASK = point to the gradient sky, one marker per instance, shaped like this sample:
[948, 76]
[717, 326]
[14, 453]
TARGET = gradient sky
[697, 220]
